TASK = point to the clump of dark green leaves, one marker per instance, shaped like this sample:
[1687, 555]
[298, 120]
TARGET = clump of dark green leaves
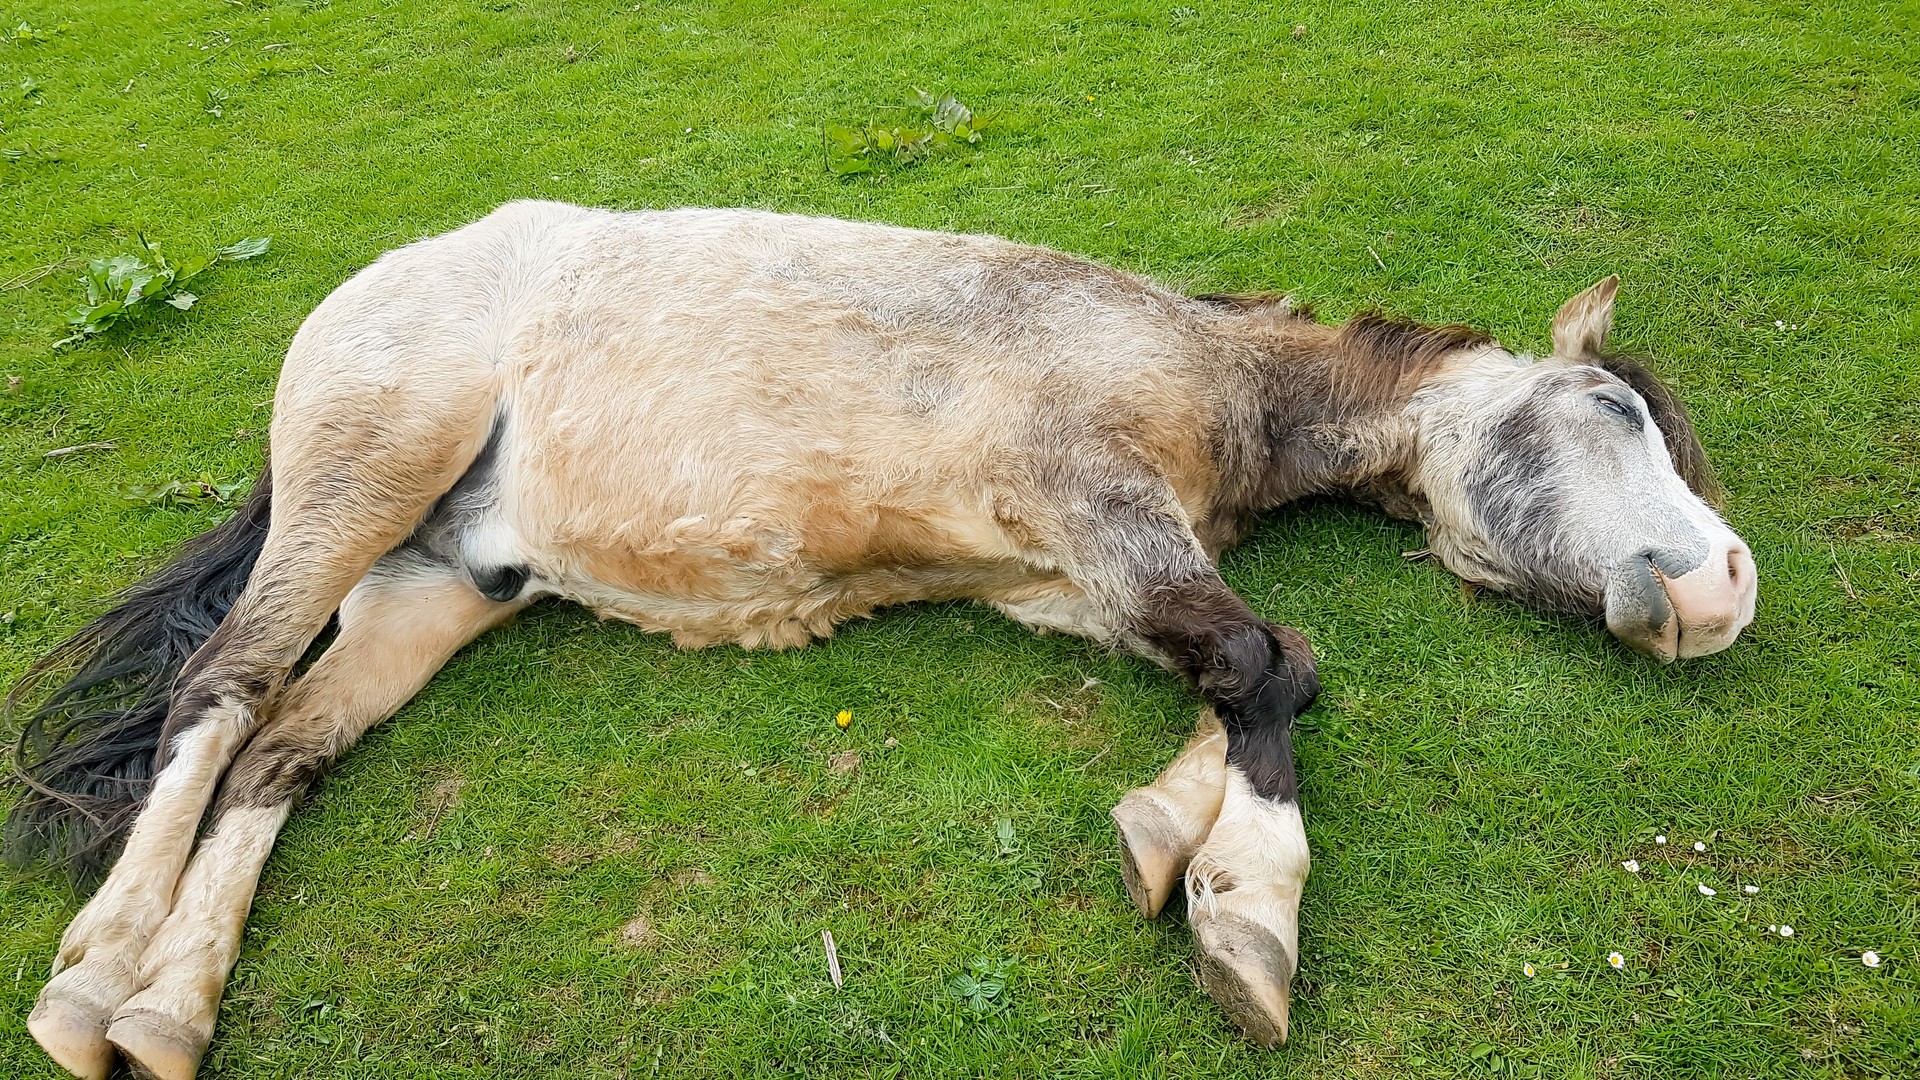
[201, 492]
[29, 152]
[27, 35]
[127, 288]
[875, 147]
[982, 987]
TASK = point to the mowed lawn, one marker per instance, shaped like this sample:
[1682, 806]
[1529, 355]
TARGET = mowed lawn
[582, 853]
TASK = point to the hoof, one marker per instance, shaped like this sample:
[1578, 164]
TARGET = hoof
[74, 1036]
[1247, 971]
[1163, 824]
[70, 1019]
[1154, 850]
[156, 1046]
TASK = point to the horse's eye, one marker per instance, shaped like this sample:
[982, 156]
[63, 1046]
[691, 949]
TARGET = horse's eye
[1617, 407]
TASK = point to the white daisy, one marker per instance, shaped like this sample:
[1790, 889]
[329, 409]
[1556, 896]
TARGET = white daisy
[1704, 891]
[1870, 958]
[1785, 930]
[1699, 846]
[1660, 840]
[1750, 890]
[1527, 969]
[1616, 960]
[1632, 866]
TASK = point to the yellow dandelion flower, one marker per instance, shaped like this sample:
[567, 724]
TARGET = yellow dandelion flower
[845, 717]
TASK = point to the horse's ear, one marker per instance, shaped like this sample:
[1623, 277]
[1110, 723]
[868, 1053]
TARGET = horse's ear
[1676, 427]
[1580, 329]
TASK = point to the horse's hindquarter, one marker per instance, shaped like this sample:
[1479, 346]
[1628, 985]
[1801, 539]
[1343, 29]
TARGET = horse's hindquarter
[746, 427]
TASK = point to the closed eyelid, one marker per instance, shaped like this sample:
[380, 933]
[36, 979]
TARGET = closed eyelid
[1620, 404]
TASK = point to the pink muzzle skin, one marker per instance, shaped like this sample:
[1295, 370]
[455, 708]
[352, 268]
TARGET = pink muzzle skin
[1696, 613]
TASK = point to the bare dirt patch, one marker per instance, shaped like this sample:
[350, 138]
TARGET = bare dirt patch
[638, 933]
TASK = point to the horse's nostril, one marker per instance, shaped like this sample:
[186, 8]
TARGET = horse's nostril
[1739, 559]
[1678, 615]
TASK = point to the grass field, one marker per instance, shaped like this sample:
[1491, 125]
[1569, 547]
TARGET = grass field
[459, 898]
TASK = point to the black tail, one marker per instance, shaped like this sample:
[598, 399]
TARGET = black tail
[85, 755]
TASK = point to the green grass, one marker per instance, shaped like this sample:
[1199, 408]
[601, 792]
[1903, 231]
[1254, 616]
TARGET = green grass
[450, 903]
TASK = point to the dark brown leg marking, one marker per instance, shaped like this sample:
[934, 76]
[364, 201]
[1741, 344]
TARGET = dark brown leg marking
[1257, 676]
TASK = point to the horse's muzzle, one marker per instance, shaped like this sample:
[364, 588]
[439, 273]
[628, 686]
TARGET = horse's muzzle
[1674, 608]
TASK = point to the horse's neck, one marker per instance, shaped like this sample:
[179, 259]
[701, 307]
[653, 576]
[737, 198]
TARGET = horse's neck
[1323, 409]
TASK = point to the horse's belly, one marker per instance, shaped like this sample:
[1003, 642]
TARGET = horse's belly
[763, 572]
[749, 606]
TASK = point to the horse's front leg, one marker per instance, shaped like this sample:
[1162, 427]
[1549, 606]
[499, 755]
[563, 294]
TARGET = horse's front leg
[1163, 824]
[1244, 883]
[1129, 547]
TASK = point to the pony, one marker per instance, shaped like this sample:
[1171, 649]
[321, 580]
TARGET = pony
[736, 426]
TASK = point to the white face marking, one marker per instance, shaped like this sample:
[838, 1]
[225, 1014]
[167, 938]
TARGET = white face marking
[1552, 482]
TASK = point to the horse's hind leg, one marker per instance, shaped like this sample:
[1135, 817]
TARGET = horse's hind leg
[396, 629]
[355, 468]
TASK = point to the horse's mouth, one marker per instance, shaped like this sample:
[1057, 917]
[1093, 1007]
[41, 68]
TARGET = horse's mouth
[1696, 611]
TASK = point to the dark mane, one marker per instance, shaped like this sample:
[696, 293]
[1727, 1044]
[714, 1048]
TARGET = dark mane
[1265, 303]
[1380, 358]
[1403, 343]
[1676, 427]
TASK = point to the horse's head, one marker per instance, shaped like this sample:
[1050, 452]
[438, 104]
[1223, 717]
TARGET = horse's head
[1577, 483]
